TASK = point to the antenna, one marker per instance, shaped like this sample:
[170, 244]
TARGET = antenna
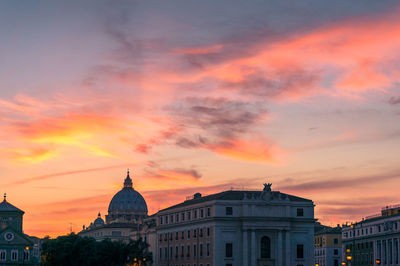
[71, 227]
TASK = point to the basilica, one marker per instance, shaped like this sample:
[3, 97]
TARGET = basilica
[124, 221]
[233, 227]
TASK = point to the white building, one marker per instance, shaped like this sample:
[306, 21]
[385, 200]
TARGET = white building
[241, 228]
[374, 238]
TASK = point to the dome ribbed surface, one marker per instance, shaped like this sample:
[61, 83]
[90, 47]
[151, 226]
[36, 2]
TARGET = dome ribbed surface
[128, 199]
[98, 221]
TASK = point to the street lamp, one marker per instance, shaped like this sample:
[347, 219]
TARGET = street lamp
[343, 263]
[378, 262]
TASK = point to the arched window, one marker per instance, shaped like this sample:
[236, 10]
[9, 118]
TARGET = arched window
[265, 247]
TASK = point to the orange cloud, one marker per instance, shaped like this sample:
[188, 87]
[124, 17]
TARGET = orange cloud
[342, 59]
[251, 151]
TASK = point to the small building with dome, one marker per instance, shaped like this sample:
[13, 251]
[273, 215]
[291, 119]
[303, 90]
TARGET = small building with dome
[126, 212]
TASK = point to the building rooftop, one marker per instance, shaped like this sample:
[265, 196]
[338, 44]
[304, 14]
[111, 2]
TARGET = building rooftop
[327, 230]
[8, 207]
[234, 195]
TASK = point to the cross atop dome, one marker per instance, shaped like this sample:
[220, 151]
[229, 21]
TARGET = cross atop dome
[5, 196]
[128, 181]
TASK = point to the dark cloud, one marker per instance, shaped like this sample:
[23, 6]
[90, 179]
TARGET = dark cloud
[222, 118]
[347, 211]
[340, 183]
[365, 201]
[394, 100]
[184, 142]
[156, 171]
[192, 172]
[292, 82]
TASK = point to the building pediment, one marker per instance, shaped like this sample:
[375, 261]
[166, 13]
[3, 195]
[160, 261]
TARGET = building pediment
[10, 236]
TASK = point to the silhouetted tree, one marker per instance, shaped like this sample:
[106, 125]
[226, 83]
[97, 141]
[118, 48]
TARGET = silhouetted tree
[85, 251]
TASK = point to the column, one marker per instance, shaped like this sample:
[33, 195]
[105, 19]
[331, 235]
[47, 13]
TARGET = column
[253, 248]
[245, 252]
[393, 253]
[398, 249]
[384, 252]
[287, 250]
[375, 250]
[387, 252]
[279, 247]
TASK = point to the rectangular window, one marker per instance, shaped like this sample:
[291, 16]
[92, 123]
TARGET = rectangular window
[170, 252]
[176, 236]
[183, 216]
[177, 217]
[26, 254]
[188, 251]
[201, 250]
[188, 234]
[189, 214]
[228, 250]
[201, 232]
[182, 251]
[228, 210]
[194, 233]
[166, 253]
[183, 234]
[208, 212]
[176, 251]
[161, 220]
[160, 253]
[116, 233]
[195, 214]
[194, 250]
[14, 255]
[2, 255]
[300, 212]
[172, 218]
[208, 250]
[335, 252]
[300, 251]
[335, 241]
[202, 213]
[208, 231]
[166, 219]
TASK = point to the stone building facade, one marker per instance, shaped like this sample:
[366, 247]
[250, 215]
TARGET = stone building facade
[328, 246]
[230, 228]
[374, 239]
[16, 248]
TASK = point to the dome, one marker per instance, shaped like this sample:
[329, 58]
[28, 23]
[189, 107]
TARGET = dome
[99, 220]
[128, 200]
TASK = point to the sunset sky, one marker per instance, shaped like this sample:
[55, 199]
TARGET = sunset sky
[198, 96]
